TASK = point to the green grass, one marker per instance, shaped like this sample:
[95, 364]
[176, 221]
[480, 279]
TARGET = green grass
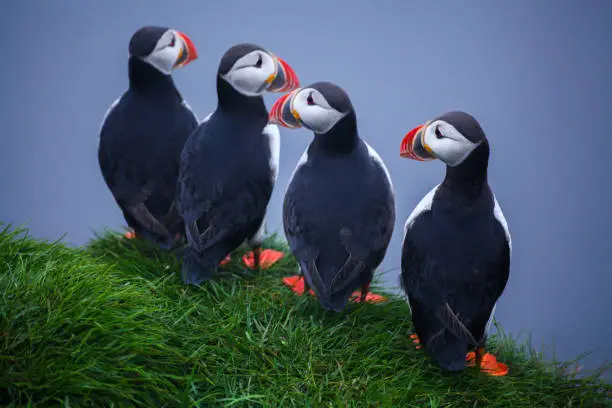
[111, 324]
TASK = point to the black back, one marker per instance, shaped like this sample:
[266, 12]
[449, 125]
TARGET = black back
[142, 138]
[225, 182]
[339, 189]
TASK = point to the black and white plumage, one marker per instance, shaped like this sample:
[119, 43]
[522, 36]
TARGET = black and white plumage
[339, 208]
[143, 134]
[229, 164]
[457, 246]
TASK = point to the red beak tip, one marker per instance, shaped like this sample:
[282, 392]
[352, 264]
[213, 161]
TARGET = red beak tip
[192, 52]
[404, 150]
[406, 145]
[291, 77]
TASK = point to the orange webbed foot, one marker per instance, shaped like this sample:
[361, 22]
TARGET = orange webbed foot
[488, 364]
[226, 260]
[416, 341]
[369, 297]
[129, 235]
[364, 295]
[296, 284]
[267, 258]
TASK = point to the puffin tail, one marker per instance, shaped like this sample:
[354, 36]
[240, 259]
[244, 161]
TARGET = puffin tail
[448, 351]
[336, 302]
[165, 244]
[327, 299]
[453, 324]
[196, 268]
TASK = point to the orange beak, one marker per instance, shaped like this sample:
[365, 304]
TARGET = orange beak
[187, 52]
[414, 147]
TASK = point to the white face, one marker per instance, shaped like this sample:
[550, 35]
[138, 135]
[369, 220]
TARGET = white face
[315, 112]
[447, 143]
[166, 52]
[252, 74]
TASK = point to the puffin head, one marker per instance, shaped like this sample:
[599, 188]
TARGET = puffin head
[318, 107]
[163, 48]
[251, 70]
[451, 137]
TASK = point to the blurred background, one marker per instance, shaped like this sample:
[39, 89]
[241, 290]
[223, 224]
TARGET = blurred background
[536, 74]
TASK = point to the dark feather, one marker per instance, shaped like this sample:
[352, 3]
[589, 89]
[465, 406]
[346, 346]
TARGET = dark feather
[140, 145]
[455, 265]
[224, 182]
[338, 217]
[453, 324]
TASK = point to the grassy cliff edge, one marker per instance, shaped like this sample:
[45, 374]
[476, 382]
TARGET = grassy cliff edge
[110, 324]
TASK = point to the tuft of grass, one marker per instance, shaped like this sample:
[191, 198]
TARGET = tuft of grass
[110, 324]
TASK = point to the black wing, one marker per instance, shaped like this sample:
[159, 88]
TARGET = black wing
[462, 301]
[139, 158]
[365, 242]
[217, 199]
[300, 232]
[424, 282]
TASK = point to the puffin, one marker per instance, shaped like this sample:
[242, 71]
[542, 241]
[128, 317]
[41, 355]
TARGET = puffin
[143, 133]
[339, 207]
[456, 249]
[229, 164]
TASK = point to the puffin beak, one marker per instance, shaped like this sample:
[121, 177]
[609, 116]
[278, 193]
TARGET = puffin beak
[282, 112]
[187, 52]
[284, 78]
[414, 147]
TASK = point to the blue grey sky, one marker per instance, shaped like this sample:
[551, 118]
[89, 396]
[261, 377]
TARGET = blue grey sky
[536, 74]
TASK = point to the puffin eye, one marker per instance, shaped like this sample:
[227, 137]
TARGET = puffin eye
[259, 62]
[310, 100]
[172, 41]
[439, 134]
